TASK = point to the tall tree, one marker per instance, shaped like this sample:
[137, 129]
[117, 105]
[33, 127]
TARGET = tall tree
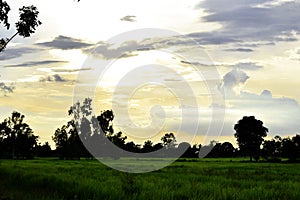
[249, 133]
[60, 139]
[27, 24]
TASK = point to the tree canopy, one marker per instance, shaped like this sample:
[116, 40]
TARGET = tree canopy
[16, 137]
[27, 24]
[249, 133]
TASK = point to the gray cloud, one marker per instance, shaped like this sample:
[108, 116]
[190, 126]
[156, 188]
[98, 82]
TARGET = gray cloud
[246, 66]
[240, 50]
[129, 18]
[11, 53]
[37, 63]
[70, 70]
[250, 20]
[281, 115]
[53, 78]
[232, 80]
[215, 38]
[5, 89]
[124, 50]
[65, 43]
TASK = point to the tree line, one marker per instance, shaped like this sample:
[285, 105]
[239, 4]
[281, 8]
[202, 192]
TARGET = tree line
[17, 140]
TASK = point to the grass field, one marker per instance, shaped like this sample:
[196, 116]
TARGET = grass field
[187, 179]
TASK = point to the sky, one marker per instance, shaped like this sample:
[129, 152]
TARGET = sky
[190, 67]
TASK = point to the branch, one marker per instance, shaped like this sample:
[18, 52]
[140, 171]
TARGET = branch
[4, 43]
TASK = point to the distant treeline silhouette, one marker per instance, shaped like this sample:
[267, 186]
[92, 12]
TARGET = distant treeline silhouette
[17, 140]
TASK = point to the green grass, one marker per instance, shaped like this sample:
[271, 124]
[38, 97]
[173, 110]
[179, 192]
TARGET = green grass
[187, 179]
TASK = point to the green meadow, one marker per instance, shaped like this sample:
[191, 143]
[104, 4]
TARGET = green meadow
[184, 179]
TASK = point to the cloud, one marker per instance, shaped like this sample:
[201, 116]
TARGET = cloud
[250, 20]
[65, 43]
[11, 53]
[240, 50]
[37, 63]
[246, 66]
[233, 80]
[6, 89]
[129, 18]
[213, 38]
[294, 54]
[53, 78]
[70, 70]
[126, 49]
[280, 114]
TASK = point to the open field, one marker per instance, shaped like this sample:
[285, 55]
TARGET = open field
[187, 179]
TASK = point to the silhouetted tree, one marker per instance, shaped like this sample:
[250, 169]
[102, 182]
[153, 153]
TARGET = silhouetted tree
[17, 138]
[85, 129]
[132, 147]
[105, 120]
[250, 133]
[157, 146]
[272, 149]
[216, 151]
[220, 150]
[189, 152]
[60, 139]
[169, 140]
[227, 150]
[296, 140]
[148, 146]
[28, 21]
[43, 150]
[289, 149]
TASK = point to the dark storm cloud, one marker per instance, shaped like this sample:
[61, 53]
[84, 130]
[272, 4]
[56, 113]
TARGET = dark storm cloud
[65, 43]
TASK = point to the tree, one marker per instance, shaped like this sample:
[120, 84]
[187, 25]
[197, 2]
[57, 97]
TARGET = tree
[85, 130]
[60, 139]
[272, 149]
[250, 133]
[148, 146]
[132, 147]
[17, 138]
[296, 140]
[289, 149]
[43, 150]
[169, 140]
[227, 150]
[27, 24]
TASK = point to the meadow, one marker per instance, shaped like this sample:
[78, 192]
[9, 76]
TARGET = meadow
[184, 179]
